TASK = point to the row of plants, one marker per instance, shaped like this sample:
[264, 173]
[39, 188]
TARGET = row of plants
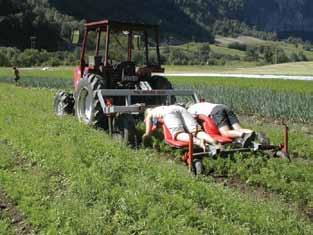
[68, 178]
[288, 86]
[263, 102]
[270, 98]
[50, 83]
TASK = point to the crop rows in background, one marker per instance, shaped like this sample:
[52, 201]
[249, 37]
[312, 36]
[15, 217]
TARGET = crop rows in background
[263, 102]
[69, 178]
[269, 98]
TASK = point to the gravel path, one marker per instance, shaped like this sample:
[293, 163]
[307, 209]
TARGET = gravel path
[267, 76]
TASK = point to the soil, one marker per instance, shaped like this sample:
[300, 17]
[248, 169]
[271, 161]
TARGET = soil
[18, 221]
[8, 208]
[309, 213]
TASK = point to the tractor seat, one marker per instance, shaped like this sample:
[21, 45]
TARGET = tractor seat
[210, 128]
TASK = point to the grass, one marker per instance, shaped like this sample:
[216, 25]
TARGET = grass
[290, 69]
[71, 179]
[289, 48]
[5, 228]
[241, 39]
[54, 72]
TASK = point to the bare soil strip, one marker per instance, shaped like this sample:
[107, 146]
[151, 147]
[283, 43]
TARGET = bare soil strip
[8, 208]
[257, 193]
[16, 218]
[261, 193]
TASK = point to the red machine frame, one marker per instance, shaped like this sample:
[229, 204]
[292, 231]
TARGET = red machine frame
[190, 155]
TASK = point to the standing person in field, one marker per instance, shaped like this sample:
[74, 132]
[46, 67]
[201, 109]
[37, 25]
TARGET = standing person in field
[225, 119]
[16, 74]
[179, 122]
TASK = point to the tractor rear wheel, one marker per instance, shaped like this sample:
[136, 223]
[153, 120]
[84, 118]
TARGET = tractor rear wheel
[161, 83]
[87, 106]
[125, 130]
[63, 103]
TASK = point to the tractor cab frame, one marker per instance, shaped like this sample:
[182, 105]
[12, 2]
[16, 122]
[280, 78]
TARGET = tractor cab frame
[100, 62]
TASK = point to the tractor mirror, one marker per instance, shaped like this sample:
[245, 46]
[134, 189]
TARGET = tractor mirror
[75, 37]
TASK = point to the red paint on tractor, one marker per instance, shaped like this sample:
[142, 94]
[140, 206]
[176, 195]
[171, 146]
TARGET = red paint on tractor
[77, 76]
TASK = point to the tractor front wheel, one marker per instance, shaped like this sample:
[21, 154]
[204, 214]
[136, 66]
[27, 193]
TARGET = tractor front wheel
[63, 103]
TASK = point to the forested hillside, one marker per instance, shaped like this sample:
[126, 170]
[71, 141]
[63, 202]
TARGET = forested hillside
[21, 20]
[227, 17]
[173, 19]
[287, 17]
[182, 20]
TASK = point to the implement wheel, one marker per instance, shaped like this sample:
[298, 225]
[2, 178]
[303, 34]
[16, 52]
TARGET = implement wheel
[197, 166]
[87, 106]
[63, 103]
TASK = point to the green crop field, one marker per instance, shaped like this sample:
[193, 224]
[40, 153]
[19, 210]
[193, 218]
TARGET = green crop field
[70, 179]
[282, 99]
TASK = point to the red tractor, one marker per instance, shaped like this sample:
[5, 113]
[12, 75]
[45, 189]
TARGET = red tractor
[111, 91]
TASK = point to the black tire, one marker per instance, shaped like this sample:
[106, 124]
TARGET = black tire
[87, 104]
[198, 168]
[125, 130]
[161, 83]
[63, 103]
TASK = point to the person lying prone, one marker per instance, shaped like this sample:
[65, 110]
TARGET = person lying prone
[179, 122]
[225, 119]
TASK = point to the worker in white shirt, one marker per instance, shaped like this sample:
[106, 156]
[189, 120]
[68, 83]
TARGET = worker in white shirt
[179, 122]
[225, 119]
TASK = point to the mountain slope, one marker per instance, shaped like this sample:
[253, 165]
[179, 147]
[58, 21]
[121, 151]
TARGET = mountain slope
[21, 20]
[173, 20]
[183, 20]
[287, 17]
[202, 17]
